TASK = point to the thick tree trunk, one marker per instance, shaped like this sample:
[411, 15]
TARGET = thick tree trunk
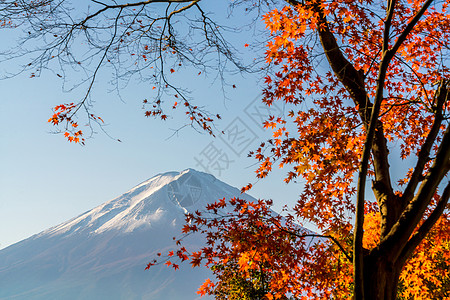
[381, 277]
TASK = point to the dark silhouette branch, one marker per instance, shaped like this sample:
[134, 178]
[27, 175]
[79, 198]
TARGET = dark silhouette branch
[442, 95]
[409, 28]
[400, 233]
[426, 226]
[346, 254]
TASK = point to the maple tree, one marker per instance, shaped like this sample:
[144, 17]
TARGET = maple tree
[389, 75]
[383, 92]
[369, 84]
[231, 284]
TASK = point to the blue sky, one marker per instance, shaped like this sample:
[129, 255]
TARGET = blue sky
[45, 180]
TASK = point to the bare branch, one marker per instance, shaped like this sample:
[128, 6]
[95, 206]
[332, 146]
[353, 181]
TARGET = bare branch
[135, 39]
[94, 75]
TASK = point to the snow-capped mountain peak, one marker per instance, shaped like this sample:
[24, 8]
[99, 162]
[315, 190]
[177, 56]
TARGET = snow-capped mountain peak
[102, 253]
[164, 198]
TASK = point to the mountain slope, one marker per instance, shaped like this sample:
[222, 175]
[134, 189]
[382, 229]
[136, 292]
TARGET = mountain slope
[102, 253]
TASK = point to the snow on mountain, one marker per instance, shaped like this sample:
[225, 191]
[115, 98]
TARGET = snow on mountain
[102, 253]
[147, 203]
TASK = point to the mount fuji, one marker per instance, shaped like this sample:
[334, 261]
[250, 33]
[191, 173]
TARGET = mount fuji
[102, 253]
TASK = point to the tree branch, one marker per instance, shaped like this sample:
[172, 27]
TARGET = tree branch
[140, 31]
[388, 23]
[385, 200]
[409, 28]
[194, 2]
[346, 254]
[442, 95]
[354, 83]
[94, 75]
[426, 226]
[400, 233]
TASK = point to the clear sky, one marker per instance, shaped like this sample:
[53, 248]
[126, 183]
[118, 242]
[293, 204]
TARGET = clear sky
[45, 180]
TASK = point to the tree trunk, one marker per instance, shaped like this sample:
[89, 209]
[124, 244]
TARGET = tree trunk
[381, 277]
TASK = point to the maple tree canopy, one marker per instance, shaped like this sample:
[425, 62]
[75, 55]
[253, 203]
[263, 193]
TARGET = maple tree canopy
[370, 83]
